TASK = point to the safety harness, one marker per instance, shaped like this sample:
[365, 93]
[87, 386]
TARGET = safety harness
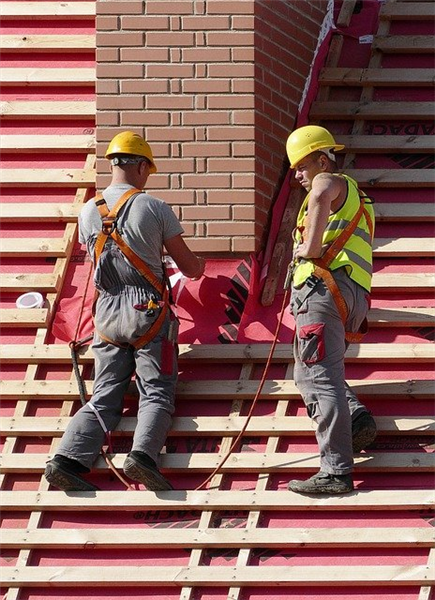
[322, 271]
[109, 229]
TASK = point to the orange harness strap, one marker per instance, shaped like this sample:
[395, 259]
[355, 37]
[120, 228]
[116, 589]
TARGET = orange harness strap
[323, 272]
[109, 230]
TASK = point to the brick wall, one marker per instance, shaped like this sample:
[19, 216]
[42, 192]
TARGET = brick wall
[286, 36]
[214, 86]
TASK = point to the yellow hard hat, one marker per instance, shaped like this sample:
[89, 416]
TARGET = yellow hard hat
[305, 140]
[128, 142]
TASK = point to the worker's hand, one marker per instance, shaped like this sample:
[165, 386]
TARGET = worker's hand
[304, 251]
[201, 269]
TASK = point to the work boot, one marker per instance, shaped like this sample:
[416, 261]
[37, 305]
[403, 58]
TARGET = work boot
[64, 474]
[363, 432]
[140, 467]
[323, 483]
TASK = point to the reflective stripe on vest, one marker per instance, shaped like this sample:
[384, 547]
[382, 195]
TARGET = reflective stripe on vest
[356, 255]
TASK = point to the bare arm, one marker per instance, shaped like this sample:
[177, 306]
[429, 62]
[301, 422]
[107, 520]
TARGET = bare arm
[326, 189]
[188, 263]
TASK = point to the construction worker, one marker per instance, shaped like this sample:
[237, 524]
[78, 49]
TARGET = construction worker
[125, 230]
[331, 279]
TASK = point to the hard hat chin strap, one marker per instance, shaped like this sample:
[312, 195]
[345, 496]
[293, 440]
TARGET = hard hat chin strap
[329, 153]
[127, 160]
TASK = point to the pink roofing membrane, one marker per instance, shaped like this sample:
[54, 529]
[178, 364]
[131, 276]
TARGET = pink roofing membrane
[223, 308]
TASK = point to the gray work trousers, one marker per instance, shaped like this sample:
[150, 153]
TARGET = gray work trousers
[156, 377]
[319, 348]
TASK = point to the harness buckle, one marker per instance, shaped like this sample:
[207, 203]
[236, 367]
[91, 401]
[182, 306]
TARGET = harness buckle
[312, 281]
[108, 225]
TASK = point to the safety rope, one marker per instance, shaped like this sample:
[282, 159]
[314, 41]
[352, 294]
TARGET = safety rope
[75, 345]
[257, 394]
[330, 255]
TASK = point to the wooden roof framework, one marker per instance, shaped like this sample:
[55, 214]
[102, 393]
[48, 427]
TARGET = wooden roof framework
[205, 535]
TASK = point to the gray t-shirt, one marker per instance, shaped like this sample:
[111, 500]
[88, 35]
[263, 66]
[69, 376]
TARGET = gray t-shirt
[144, 223]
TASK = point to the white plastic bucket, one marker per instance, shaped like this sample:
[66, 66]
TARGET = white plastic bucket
[30, 300]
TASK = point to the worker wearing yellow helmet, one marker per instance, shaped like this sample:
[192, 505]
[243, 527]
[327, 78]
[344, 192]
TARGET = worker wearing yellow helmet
[331, 274]
[306, 140]
[125, 231]
[130, 148]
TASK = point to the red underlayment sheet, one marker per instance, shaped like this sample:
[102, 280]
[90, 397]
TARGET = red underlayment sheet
[224, 307]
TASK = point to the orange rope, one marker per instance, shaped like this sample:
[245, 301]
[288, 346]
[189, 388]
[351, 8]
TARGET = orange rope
[256, 397]
[248, 417]
[115, 470]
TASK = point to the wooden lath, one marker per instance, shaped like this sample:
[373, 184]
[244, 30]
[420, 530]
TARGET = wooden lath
[235, 354]
[215, 499]
[47, 109]
[216, 426]
[41, 10]
[52, 178]
[379, 77]
[408, 11]
[265, 468]
[31, 76]
[402, 575]
[240, 389]
[371, 110]
[409, 44]
[410, 282]
[47, 212]
[401, 317]
[46, 247]
[351, 537]
[407, 144]
[20, 282]
[410, 247]
[241, 463]
[25, 317]
[48, 43]
[405, 212]
[48, 143]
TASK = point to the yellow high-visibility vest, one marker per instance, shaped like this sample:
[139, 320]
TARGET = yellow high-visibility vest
[356, 255]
